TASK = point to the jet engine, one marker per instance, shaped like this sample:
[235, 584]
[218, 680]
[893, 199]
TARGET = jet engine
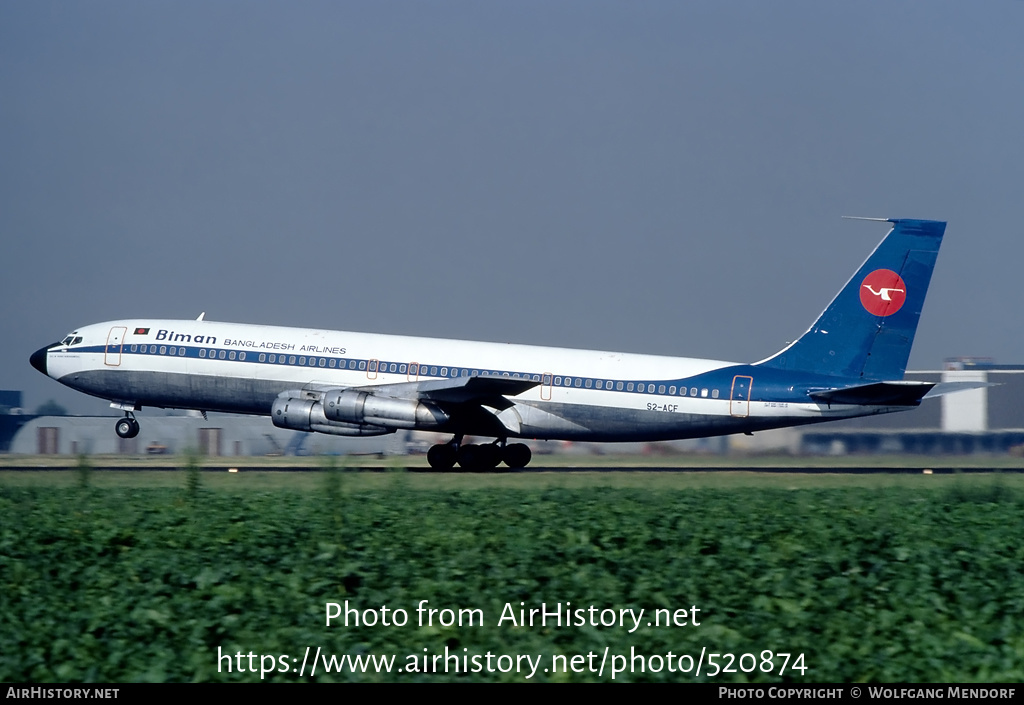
[308, 415]
[351, 406]
[352, 413]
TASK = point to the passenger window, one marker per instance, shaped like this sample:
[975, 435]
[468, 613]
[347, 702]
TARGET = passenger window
[661, 389]
[333, 362]
[291, 359]
[135, 348]
[145, 348]
[323, 362]
[401, 368]
[202, 352]
[640, 387]
[693, 391]
[672, 389]
[629, 387]
[600, 384]
[263, 357]
[231, 355]
[393, 367]
[272, 358]
[618, 386]
[444, 371]
[433, 371]
[714, 393]
[222, 354]
[576, 383]
[703, 392]
[589, 384]
[362, 364]
[352, 365]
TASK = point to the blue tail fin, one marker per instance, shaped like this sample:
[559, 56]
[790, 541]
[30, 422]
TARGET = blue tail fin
[867, 330]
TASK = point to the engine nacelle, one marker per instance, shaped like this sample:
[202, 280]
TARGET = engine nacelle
[355, 407]
[308, 415]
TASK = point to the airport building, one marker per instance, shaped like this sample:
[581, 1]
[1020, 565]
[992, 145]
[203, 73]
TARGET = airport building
[217, 435]
[12, 417]
[989, 419]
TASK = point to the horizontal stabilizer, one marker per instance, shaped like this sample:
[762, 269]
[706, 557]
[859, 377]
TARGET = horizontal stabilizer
[944, 388]
[906, 393]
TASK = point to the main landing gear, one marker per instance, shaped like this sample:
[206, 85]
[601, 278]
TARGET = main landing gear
[127, 427]
[478, 457]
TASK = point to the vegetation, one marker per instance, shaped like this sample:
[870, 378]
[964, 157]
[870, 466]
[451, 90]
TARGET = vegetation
[193, 479]
[83, 470]
[50, 408]
[124, 583]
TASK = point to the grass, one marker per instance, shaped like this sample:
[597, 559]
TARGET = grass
[133, 576]
[335, 479]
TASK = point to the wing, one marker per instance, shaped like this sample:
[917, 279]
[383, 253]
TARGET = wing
[485, 390]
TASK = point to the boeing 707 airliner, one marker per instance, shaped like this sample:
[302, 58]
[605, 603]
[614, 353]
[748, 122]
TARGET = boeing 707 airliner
[851, 362]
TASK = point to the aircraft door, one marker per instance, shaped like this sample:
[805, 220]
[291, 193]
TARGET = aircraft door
[115, 339]
[739, 397]
[545, 387]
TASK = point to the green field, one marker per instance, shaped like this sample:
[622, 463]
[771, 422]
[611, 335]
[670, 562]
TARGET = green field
[129, 576]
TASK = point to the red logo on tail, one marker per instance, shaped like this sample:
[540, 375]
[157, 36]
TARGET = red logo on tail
[883, 292]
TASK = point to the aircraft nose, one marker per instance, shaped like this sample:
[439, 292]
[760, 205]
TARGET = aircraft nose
[38, 359]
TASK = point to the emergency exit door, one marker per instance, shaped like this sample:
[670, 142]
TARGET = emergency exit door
[739, 397]
[115, 339]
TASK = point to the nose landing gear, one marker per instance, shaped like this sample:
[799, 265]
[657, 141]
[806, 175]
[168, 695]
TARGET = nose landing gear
[127, 427]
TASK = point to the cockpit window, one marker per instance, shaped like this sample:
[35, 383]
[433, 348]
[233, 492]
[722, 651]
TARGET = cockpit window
[77, 340]
[71, 340]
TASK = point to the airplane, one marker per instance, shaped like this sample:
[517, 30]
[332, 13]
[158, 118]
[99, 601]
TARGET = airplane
[849, 363]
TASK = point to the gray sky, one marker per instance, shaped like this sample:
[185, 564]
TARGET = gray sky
[661, 177]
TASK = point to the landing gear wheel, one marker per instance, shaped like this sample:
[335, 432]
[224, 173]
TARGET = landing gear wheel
[469, 456]
[490, 456]
[482, 457]
[517, 455]
[127, 427]
[441, 457]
